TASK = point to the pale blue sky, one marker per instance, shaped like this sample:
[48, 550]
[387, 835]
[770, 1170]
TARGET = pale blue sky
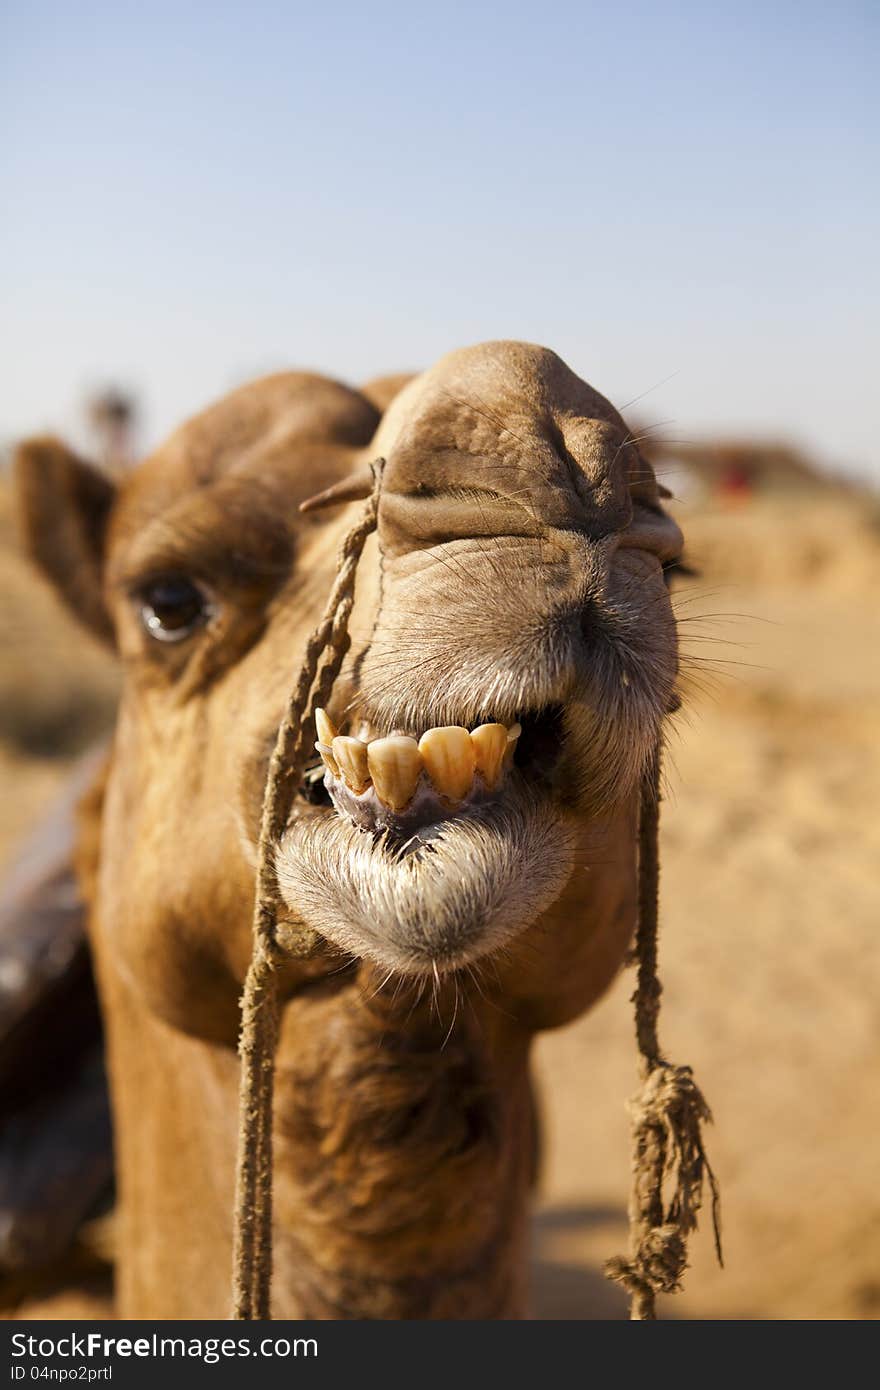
[196, 193]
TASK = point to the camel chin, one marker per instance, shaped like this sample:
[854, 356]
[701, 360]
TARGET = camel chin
[431, 854]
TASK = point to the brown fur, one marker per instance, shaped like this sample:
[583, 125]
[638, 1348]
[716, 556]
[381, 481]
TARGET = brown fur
[517, 565]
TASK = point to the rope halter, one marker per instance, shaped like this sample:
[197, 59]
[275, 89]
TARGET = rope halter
[667, 1113]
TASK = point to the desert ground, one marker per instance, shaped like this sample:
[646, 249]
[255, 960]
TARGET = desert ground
[770, 949]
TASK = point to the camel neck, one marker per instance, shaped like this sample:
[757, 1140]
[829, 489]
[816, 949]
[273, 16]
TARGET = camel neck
[404, 1144]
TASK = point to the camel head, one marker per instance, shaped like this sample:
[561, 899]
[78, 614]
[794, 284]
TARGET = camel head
[513, 656]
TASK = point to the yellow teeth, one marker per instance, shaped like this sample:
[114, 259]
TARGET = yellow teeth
[448, 756]
[490, 745]
[395, 766]
[327, 758]
[351, 758]
[324, 726]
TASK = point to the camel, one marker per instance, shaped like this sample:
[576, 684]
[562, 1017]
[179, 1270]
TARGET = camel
[465, 843]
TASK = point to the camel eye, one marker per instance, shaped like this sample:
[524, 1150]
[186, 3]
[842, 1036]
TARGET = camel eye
[173, 607]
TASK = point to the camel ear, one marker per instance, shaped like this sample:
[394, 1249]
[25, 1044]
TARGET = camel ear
[63, 506]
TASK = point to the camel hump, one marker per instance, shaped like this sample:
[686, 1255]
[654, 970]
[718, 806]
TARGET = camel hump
[291, 409]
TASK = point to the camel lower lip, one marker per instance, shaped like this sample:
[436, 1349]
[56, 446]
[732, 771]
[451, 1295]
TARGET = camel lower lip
[425, 811]
[455, 893]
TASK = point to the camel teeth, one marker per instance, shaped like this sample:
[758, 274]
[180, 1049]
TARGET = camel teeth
[451, 756]
[513, 734]
[325, 727]
[351, 758]
[327, 758]
[449, 759]
[395, 765]
[490, 746]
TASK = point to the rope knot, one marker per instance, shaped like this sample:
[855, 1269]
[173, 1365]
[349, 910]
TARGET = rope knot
[669, 1112]
[658, 1266]
[667, 1115]
[664, 1255]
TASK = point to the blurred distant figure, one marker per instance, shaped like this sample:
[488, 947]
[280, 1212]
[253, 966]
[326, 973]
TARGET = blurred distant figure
[112, 415]
[736, 481]
[734, 471]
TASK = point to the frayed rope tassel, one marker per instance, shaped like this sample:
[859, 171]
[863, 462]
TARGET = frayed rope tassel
[668, 1114]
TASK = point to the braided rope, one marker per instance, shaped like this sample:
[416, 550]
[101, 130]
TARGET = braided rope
[667, 1114]
[252, 1233]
